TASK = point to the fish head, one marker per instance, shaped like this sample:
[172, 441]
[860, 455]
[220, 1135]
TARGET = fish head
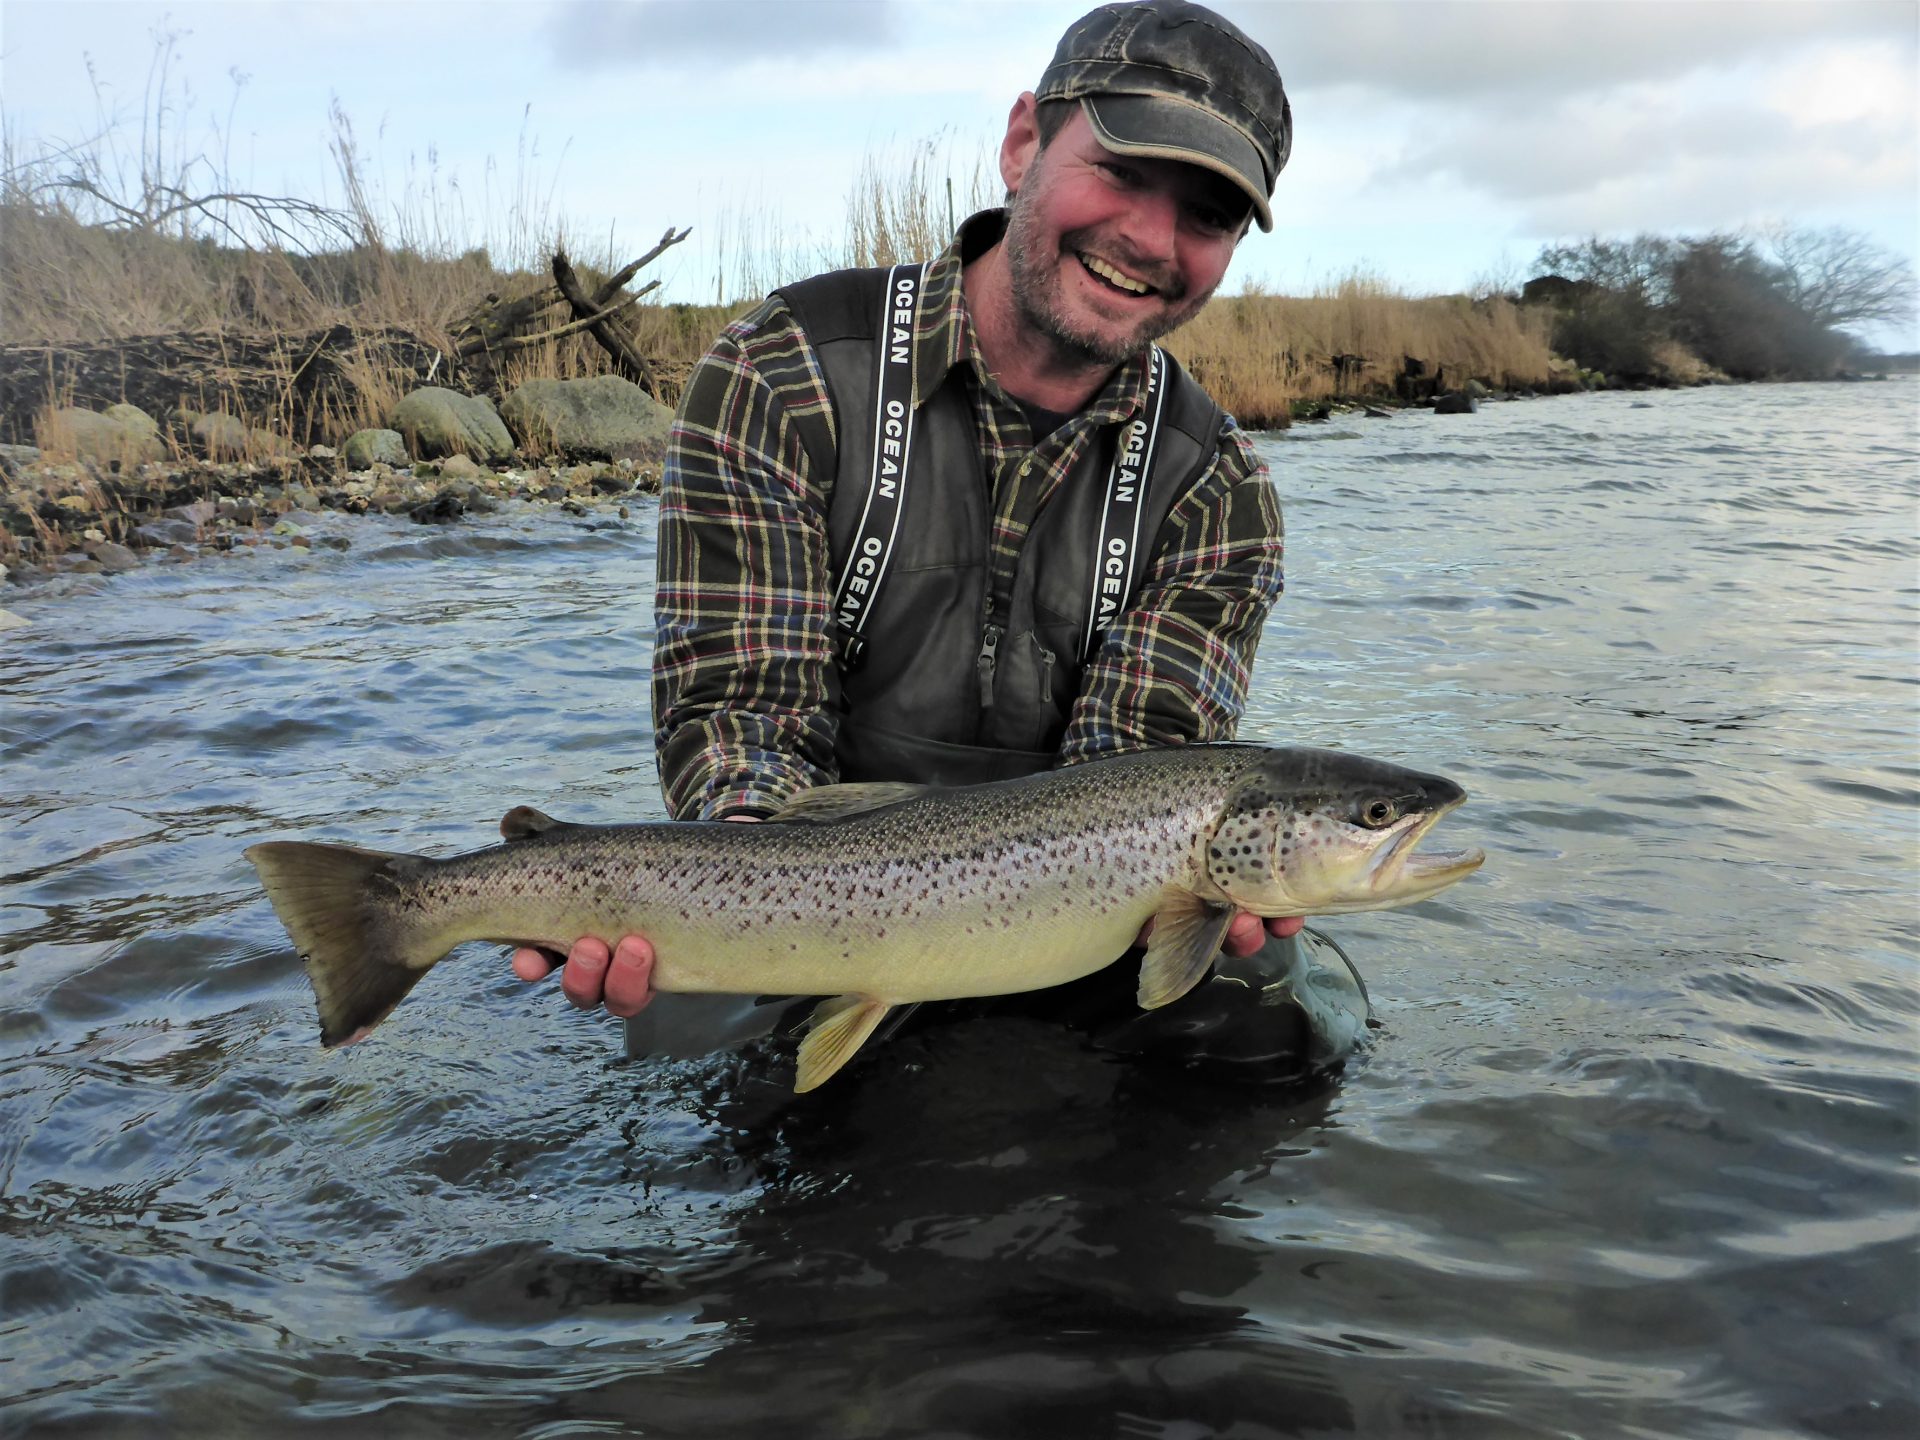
[1322, 832]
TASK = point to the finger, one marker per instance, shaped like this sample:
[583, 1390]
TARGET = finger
[629, 985]
[585, 978]
[531, 963]
[1245, 935]
[1281, 926]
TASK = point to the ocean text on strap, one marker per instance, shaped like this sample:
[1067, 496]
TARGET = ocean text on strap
[1118, 557]
[872, 549]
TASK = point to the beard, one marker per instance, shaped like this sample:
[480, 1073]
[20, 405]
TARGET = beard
[1033, 264]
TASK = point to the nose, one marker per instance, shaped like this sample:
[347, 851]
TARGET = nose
[1151, 224]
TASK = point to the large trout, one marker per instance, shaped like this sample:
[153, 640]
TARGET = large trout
[879, 895]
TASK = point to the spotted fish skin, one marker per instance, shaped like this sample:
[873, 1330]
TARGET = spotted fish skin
[921, 895]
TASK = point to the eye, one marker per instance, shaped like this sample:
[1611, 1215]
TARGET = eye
[1377, 814]
[1212, 219]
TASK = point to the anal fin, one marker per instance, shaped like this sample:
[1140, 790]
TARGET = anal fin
[1186, 937]
[839, 1027]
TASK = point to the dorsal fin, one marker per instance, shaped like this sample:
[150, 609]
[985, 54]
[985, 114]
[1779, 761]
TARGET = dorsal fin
[833, 802]
[523, 822]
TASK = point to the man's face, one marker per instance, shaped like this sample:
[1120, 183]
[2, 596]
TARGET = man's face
[1108, 252]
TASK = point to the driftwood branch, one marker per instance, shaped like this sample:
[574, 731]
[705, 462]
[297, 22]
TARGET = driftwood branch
[613, 337]
[499, 327]
[585, 322]
[626, 273]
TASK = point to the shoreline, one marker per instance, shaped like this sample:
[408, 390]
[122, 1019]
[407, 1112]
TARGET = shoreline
[80, 517]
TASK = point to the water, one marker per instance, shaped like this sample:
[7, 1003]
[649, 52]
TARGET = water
[1635, 1153]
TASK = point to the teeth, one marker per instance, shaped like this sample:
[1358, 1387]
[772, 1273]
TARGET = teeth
[1112, 276]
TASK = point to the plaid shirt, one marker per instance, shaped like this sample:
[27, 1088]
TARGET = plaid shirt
[743, 648]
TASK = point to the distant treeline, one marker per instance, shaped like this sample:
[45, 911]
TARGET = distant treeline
[1767, 307]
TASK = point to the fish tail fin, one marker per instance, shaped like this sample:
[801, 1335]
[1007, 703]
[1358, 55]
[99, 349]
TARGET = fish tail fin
[357, 968]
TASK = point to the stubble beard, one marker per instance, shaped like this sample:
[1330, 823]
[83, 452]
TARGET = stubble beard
[1033, 266]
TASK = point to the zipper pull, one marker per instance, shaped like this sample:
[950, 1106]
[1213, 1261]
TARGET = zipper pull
[1046, 675]
[983, 664]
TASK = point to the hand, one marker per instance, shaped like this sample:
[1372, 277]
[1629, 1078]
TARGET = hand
[1246, 932]
[617, 976]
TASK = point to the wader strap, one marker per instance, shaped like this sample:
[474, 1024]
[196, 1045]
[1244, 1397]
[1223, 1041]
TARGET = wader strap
[892, 449]
[1117, 558]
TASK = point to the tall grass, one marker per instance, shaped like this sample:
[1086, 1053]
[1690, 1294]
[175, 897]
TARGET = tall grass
[1260, 355]
[904, 204]
[140, 228]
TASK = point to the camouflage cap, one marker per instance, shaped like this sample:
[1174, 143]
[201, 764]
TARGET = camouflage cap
[1175, 81]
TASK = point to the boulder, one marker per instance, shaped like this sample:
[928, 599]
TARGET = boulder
[124, 434]
[1455, 402]
[18, 457]
[219, 436]
[436, 422]
[603, 418]
[366, 448]
[113, 558]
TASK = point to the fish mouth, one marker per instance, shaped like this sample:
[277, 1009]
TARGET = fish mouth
[1403, 871]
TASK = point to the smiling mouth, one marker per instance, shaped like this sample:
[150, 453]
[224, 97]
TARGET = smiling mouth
[1112, 278]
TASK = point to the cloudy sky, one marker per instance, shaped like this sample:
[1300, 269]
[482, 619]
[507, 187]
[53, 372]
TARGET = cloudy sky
[1438, 143]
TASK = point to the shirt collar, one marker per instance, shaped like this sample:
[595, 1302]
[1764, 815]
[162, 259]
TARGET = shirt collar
[945, 335]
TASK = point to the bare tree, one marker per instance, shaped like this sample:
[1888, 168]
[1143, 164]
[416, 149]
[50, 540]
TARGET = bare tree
[1837, 276]
[1636, 268]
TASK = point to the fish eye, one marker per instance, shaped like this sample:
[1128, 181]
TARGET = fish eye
[1378, 813]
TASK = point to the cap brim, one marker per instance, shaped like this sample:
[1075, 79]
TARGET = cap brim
[1169, 129]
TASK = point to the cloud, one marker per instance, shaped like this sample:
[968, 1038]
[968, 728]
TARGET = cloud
[1514, 51]
[604, 34]
[1796, 132]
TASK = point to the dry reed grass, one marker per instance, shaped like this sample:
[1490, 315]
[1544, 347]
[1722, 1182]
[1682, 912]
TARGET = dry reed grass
[1260, 355]
[98, 247]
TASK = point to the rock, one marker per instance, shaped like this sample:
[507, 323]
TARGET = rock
[168, 530]
[323, 452]
[218, 437]
[604, 418]
[123, 435]
[287, 527]
[438, 511]
[460, 467]
[367, 448]
[1455, 402]
[11, 621]
[1476, 391]
[114, 559]
[436, 422]
[16, 456]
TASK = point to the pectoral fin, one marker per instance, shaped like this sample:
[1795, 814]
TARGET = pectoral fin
[838, 1028]
[1186, 937]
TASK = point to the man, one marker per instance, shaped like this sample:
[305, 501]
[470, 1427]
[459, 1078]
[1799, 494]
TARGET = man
[1044, 543]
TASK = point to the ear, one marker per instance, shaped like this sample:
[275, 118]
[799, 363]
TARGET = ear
[1022, 141]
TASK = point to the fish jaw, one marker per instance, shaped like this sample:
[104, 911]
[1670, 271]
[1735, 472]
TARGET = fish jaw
[1313, 861]
[1399, 873]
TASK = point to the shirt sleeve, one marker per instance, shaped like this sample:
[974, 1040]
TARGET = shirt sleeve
[742, 655]
[1174, 668]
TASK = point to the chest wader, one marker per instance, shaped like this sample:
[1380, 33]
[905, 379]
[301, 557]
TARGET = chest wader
[954, 671]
